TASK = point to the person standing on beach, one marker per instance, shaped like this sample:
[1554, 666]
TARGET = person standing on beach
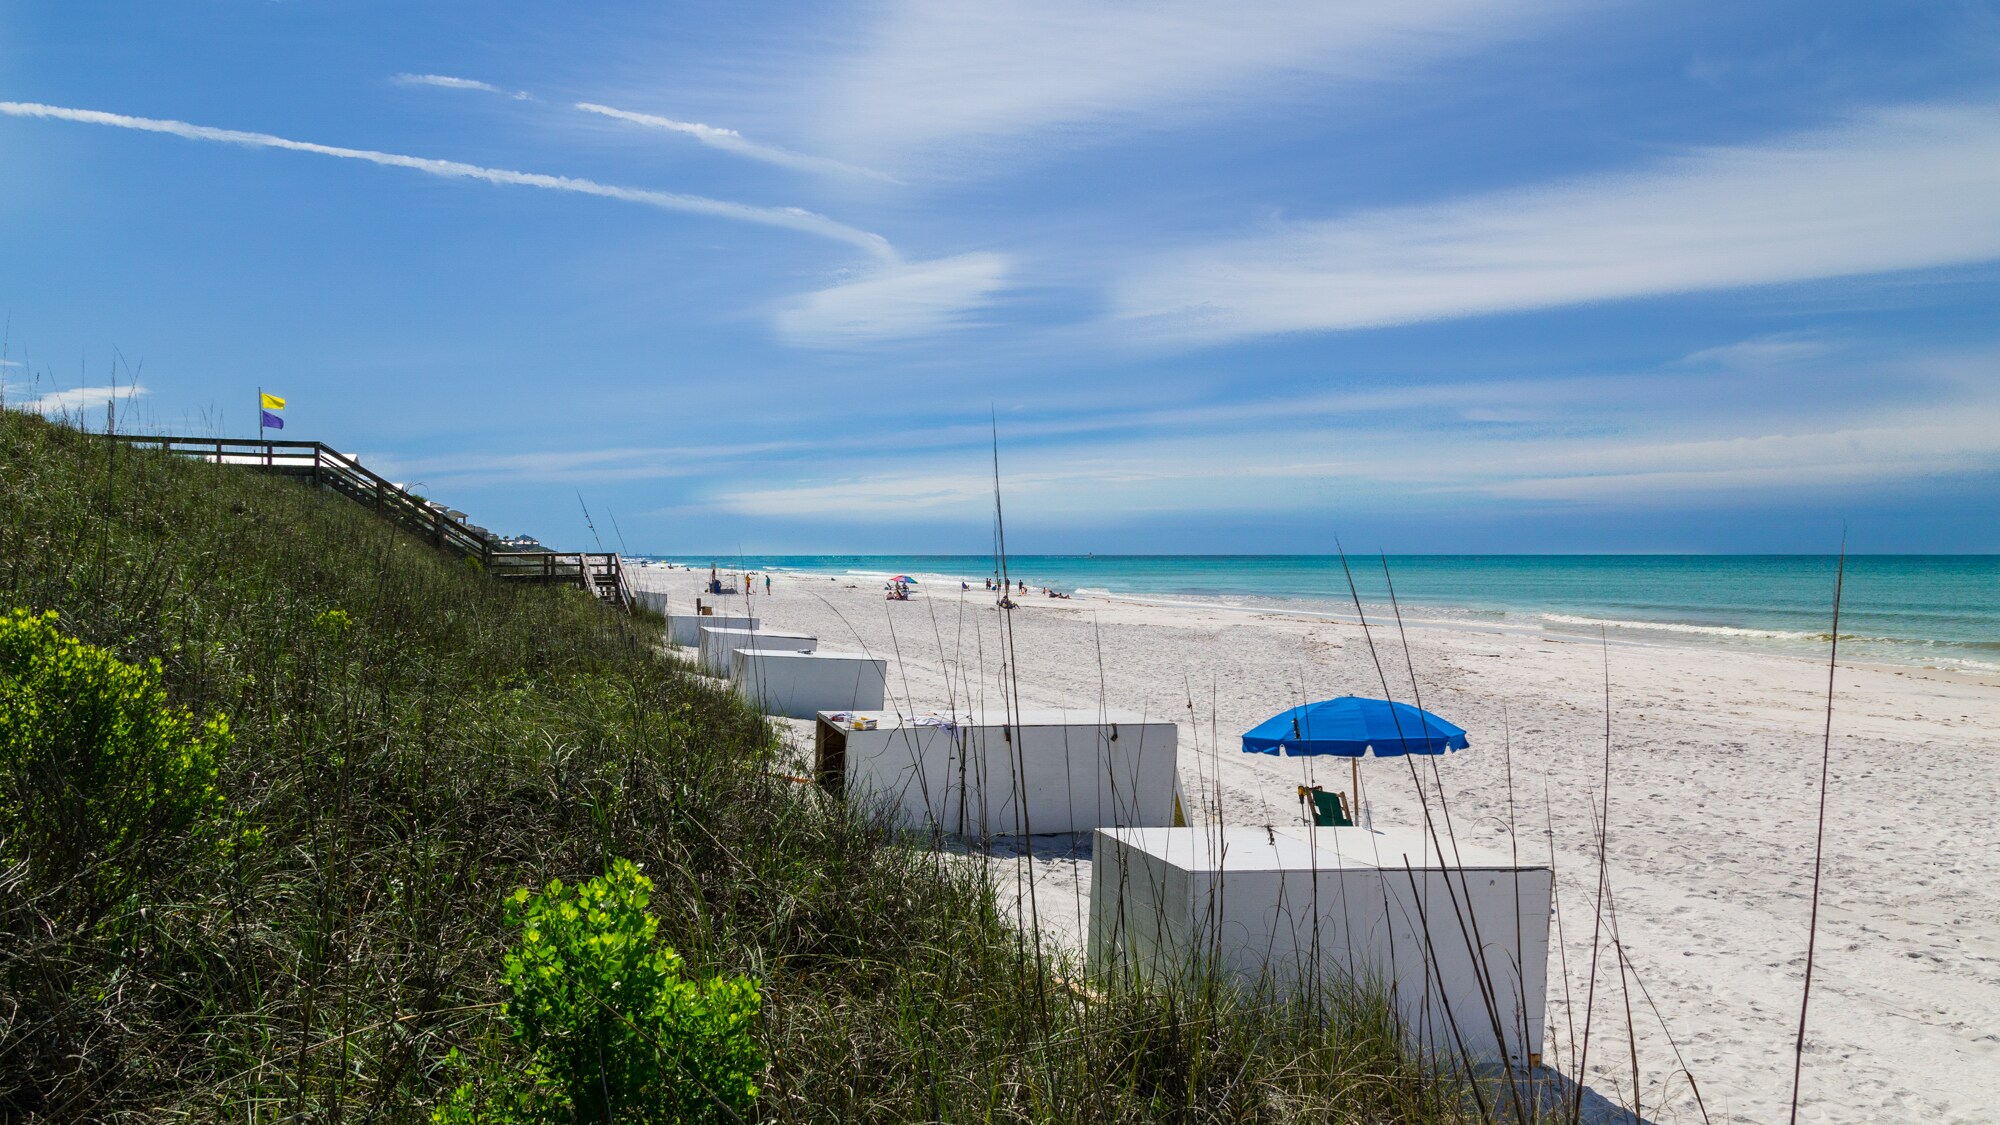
[767, 583]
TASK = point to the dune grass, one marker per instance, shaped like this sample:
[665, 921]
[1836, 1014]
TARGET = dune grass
[412, 743]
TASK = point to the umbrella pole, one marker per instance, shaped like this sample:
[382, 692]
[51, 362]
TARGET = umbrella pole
[1354, 813]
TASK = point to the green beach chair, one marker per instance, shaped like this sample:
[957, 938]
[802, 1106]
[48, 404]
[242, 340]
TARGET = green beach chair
[1329, 810]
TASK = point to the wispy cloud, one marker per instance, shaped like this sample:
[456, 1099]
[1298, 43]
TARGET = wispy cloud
[1432, 446]
[1898, 189]
[1663, 436]
[731, 141]
[896, 302]
[939, 71]
[1762, 353]
[1309, 467]
[447, 82]
[77, 399]
[596, 463]
[1902, 446]
[791, 218]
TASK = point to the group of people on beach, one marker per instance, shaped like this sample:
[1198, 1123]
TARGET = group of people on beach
[1005, 603]
[716, 585]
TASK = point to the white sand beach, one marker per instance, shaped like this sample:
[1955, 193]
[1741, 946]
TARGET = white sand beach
[1715, 758]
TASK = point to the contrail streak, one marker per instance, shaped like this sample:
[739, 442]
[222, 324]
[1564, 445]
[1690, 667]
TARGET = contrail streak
[729, 140]
[791, 218]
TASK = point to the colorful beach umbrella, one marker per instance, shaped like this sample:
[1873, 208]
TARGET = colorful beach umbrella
[904, 579]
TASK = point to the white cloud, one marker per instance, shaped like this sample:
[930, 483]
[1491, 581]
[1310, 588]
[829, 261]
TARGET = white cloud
[896, 302]
[1899, 189]
[1338, 453]
[447, 82]
[1665, 436]
[77, 400]
[1309, 468]
[1761, 353]
[791, 218]
[1942, 442]
[945, 70]
[444, 81]
[731, 141]
[10, 363]
[596, 463]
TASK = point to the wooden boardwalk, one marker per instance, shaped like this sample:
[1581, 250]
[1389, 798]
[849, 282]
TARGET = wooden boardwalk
[321, 466]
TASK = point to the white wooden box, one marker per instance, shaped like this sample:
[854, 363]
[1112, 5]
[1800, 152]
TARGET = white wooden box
[1294, 909]
[684, 629]
[799, 685]
[999, 774]
[719, 644]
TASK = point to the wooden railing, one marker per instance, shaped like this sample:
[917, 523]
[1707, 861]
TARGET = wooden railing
[603, 574]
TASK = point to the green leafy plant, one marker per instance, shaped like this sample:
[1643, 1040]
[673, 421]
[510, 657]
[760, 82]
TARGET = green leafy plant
[333, 623]
[97, 772]
[617, 1030]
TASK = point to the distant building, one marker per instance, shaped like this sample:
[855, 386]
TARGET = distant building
[519, 543]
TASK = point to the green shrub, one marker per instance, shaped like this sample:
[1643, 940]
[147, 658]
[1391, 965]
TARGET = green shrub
[333, 623]
[617, 1030]
[97, 772]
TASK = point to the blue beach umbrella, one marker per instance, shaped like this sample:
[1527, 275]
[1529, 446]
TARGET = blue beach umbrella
[1351, 727]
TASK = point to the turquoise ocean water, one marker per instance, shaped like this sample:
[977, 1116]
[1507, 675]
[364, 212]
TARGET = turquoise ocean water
[1936, 610]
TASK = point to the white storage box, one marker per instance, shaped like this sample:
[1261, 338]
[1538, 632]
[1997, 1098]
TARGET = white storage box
[1294, 909]
[1000, 774]
[798, 685]
[684, 629]
[719, 644]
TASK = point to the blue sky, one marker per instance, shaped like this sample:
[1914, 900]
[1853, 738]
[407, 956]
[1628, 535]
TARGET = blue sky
[1434, 275]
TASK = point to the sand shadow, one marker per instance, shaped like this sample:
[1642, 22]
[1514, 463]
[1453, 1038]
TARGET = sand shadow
[1044, 846]
[1551, 1096]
